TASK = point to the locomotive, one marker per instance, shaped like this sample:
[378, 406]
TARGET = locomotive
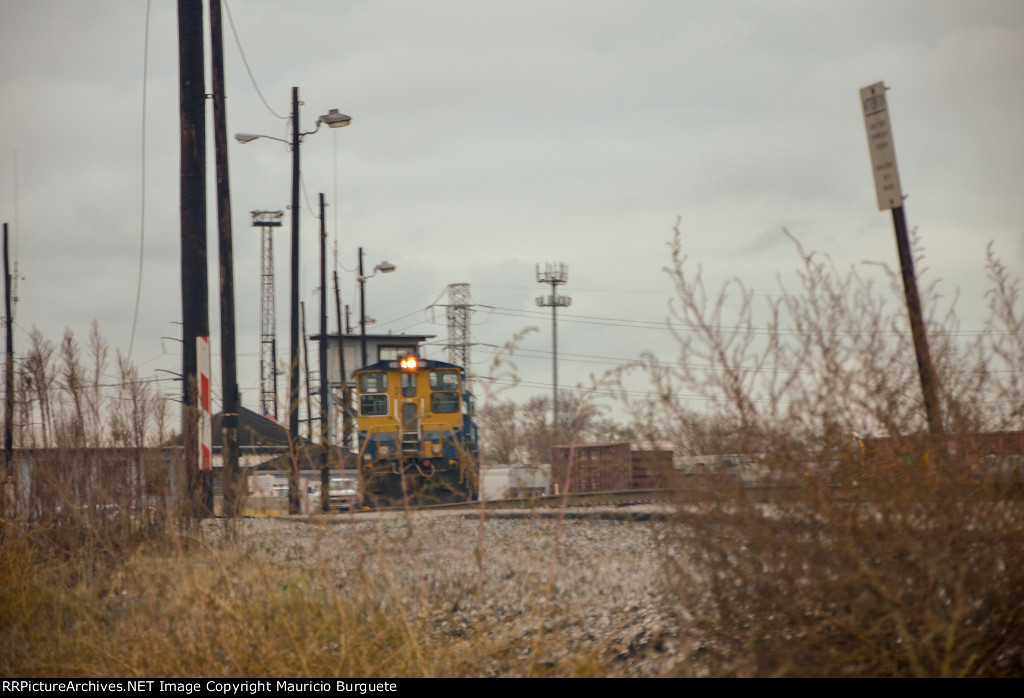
[417, 439]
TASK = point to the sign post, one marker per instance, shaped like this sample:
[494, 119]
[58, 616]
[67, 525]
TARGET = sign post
[890, 196]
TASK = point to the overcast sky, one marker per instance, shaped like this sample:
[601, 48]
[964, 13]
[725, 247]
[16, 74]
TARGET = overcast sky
[491, 136]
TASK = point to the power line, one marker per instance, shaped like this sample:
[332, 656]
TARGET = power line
[670, 325]
[142, 180]
[245, 62]
[644, 363]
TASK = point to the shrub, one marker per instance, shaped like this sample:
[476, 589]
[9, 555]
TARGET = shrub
[898, 560]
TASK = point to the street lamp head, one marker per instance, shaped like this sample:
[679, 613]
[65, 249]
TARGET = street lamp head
[384, 267]
[246, 137]
[335, 119]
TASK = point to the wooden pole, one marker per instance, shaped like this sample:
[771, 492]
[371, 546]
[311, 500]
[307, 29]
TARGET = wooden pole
[229, 382]
[194, 294]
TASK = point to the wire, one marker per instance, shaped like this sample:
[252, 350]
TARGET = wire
[142, 178]
[677, 326]
[245, 62]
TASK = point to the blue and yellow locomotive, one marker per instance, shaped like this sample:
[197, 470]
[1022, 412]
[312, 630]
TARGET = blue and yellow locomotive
[417, 439]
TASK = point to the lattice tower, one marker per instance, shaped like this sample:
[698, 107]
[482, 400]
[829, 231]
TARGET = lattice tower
[266, 221]
[458, 325]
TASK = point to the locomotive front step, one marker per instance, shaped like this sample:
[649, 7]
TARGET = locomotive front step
[410, 443]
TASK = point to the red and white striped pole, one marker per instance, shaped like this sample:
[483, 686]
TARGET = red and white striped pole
[205, 421]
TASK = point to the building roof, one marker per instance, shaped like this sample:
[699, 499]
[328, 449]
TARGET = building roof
[255, 431]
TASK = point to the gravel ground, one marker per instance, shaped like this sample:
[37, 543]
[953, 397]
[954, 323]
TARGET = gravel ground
[549, 592]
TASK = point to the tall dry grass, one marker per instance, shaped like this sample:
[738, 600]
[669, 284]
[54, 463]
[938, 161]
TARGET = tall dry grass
[307, 601]
[205, 611]
[97, 579]
[89, 478]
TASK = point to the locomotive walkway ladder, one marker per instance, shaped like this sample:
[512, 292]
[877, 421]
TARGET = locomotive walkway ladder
[410, 443]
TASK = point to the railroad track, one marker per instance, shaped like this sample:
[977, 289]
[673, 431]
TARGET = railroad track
[619, 499]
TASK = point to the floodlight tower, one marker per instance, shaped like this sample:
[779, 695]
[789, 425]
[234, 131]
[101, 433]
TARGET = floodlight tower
[554, 274]
[266, 221]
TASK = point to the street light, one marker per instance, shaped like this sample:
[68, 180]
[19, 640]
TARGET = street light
[555, 275]
[334, 119]
[383, 268]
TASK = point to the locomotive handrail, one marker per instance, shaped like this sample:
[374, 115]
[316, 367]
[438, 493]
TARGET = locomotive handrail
[374, 432]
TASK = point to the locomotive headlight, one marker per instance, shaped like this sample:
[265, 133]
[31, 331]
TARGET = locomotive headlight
[436, 449]
[409, 363]
[384, 451]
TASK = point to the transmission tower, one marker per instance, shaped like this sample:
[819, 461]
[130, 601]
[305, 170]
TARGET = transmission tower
[266, 221]
[554, 274]
[458, 325]
[458, 313]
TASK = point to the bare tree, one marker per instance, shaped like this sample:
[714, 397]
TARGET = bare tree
[39, 381]
[98, 351]
[812, 365]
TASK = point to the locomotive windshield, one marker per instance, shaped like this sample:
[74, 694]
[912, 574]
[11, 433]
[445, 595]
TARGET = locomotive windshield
[444, 386]
[408, 385]
[444, 403]
[372, 400]
[373, 405]
[373, 382]
[444, 379]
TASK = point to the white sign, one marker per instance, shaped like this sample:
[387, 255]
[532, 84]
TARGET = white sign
[880, 145]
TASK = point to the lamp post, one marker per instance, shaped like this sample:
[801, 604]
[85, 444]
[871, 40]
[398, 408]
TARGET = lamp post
[333, 119]
[384, 268]
[555, 275]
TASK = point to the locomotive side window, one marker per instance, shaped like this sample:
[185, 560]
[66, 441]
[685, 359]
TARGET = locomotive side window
[444, 379]
[373, 405]
[373, 382]
[444, 402]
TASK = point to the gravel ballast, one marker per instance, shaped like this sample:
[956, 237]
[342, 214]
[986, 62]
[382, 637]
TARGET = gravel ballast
[546, 591]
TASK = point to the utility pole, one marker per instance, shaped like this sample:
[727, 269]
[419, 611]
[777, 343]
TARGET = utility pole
[231, 486]
[6, 478]
[194, 294]
[325, 461]
[293, 359]
[305, 372]
[346, 419]
[555, 275]
[362, 312]
[334, 119]
[383, 267]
